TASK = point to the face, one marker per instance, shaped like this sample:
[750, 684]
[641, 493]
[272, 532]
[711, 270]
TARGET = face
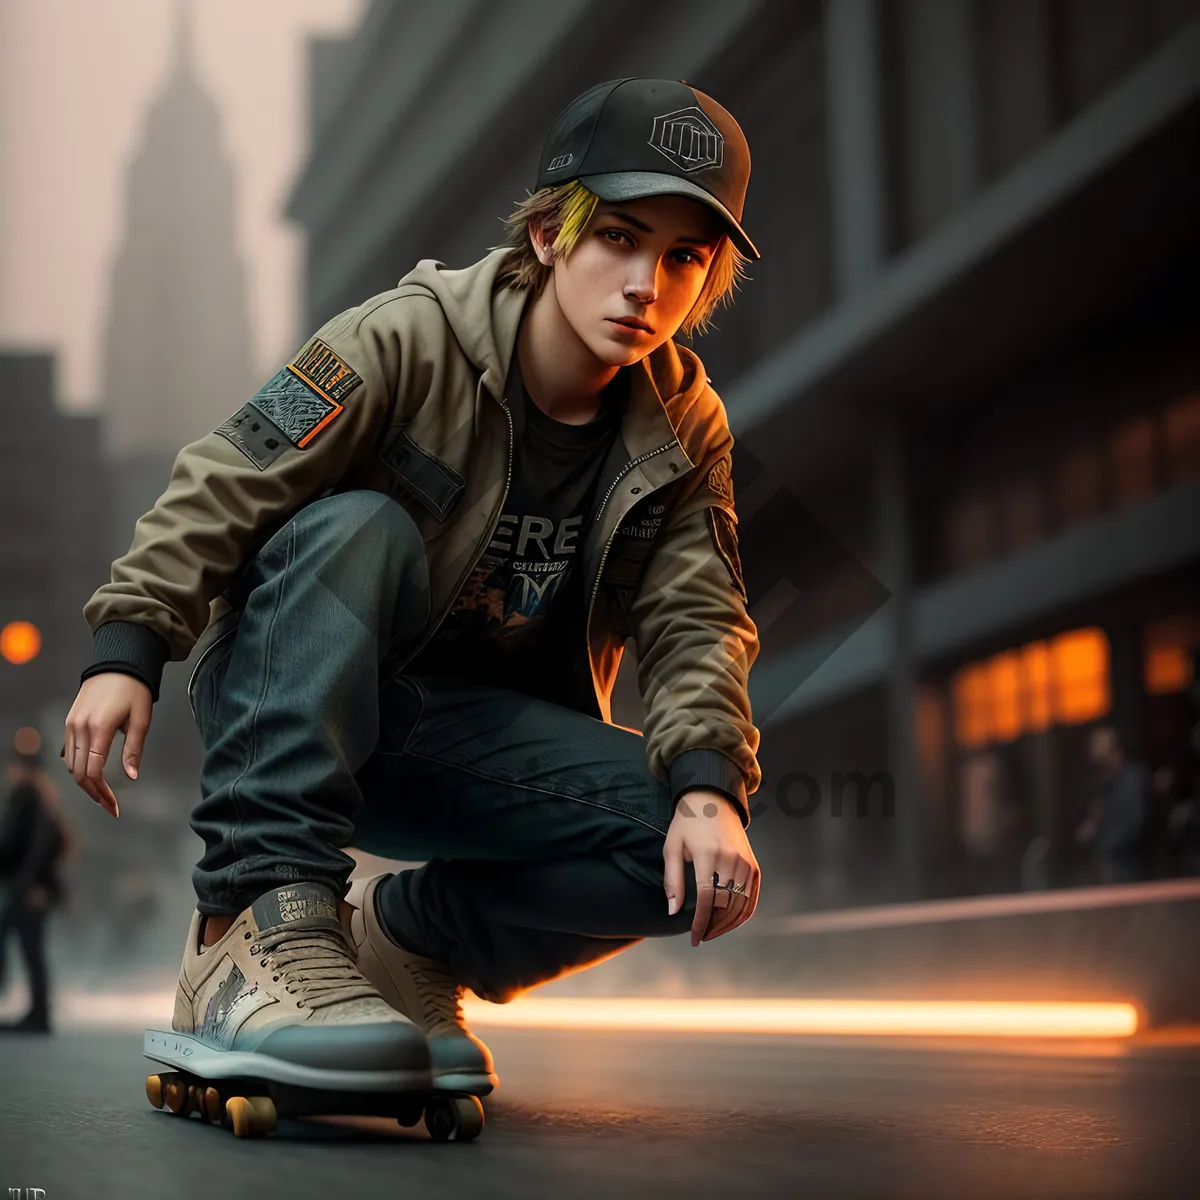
[635, 274]
[1103, 748]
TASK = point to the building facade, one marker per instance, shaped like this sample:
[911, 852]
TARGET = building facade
[53, 513]
[963, 378]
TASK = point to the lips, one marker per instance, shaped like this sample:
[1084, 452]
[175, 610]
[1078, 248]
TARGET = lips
[632, 323]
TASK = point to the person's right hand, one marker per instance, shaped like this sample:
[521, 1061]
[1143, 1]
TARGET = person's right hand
[106, 703]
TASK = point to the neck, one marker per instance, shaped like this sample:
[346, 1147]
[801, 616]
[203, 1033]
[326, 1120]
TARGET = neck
[562, 376]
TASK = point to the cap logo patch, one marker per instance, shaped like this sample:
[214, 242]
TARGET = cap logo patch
[689, 139]
[563, 160]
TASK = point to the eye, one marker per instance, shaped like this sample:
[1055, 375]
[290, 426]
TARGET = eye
[616, 236]
[685, 257]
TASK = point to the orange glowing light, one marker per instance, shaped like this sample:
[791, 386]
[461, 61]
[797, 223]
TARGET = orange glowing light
[1168, 669]
[20, 642]
[1081, 675]
[920, 1018]
[1004, 672]
[971, 708]
[1035, 665]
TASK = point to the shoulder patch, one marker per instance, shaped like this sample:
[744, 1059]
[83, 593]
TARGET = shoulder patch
[720, 478]
[724, 536]
[324, 371]
[306, 395]
[297, 409]
[256, 436]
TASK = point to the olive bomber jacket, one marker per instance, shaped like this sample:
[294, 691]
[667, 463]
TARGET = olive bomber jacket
[405, 395]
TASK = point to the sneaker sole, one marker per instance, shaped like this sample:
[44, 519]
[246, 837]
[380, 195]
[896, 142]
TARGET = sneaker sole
[476, 1085]
[187, 1053]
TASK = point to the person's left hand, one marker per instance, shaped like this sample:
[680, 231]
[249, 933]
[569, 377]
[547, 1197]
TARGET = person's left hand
[707, 832]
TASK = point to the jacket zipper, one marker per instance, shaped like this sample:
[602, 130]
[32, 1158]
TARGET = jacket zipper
[612, 487]
[475, 558]
[587, 625]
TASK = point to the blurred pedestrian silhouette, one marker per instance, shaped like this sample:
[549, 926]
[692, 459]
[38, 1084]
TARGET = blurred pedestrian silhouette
[987, 825]
[34, 841]
[1115, 826]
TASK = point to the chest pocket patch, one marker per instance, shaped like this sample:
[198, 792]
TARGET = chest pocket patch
[436, 484]
[633, 543]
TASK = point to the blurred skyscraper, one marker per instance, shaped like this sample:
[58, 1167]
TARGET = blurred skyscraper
[177, 349]
[177, 357]
[964, 371]
[53, 518]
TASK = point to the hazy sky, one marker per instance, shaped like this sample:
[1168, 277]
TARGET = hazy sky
[76, 77]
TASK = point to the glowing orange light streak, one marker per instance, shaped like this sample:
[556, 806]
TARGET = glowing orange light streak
[924, 1018]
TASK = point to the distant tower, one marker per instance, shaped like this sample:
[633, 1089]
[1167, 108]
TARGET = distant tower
[177, 346]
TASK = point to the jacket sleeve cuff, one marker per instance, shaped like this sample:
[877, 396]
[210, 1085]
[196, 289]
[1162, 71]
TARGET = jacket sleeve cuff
[129, 649]
[704, 768]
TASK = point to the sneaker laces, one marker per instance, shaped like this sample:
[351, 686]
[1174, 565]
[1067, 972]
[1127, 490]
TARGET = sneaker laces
[440, 995]
[314, 964]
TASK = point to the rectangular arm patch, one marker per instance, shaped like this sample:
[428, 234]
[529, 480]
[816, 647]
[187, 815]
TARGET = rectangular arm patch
[304, 397]
[724, 536]
[321, 369]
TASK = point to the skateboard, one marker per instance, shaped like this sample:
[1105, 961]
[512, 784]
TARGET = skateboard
[251, 1105]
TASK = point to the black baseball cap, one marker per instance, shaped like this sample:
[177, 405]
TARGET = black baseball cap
[632, 138]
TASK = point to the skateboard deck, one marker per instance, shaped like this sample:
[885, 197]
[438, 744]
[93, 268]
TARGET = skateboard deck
[235, 1091]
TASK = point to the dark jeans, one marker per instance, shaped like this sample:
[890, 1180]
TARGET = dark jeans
[29, 924]
[542, 828]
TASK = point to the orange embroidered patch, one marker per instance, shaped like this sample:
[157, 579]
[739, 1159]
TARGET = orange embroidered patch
[720, 479]
[321, 368]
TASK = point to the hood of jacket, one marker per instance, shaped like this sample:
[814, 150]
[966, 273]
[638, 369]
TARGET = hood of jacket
[666, 385]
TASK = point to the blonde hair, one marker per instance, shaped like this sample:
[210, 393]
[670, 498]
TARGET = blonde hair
[568, 209]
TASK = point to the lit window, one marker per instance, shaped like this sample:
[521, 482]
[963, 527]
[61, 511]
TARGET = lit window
[1004, 673]
[1168, 669]
[1064, 681]
[1035, 668]
[1080, 676]
[972, 723]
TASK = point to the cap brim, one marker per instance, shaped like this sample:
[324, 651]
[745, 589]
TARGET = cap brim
[637, 185]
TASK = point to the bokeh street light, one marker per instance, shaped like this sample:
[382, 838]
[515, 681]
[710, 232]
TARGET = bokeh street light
[20, 642]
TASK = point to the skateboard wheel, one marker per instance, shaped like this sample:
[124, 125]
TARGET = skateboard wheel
[454, 1118]
[175, 1096]
[251, 1116]
[211, 1108]
[154, 1087]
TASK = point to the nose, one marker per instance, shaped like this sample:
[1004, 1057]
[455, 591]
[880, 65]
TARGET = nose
[641, 286]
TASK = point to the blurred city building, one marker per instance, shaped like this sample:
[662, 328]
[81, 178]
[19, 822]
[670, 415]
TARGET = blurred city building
[177, 345]
[963, 379]
[53, 513]
[177, 352]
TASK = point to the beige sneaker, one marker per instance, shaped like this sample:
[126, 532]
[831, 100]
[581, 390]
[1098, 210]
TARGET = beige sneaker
[279, 998]
[422, 990]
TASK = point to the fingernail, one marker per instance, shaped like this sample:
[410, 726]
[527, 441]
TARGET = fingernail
[672, 906]
[131, 770]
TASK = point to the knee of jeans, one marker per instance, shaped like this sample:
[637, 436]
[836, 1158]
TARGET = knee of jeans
[363, 522]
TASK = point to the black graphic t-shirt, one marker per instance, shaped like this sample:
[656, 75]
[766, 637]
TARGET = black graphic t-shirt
[513, 621]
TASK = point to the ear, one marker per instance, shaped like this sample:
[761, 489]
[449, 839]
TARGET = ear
[542, 240]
